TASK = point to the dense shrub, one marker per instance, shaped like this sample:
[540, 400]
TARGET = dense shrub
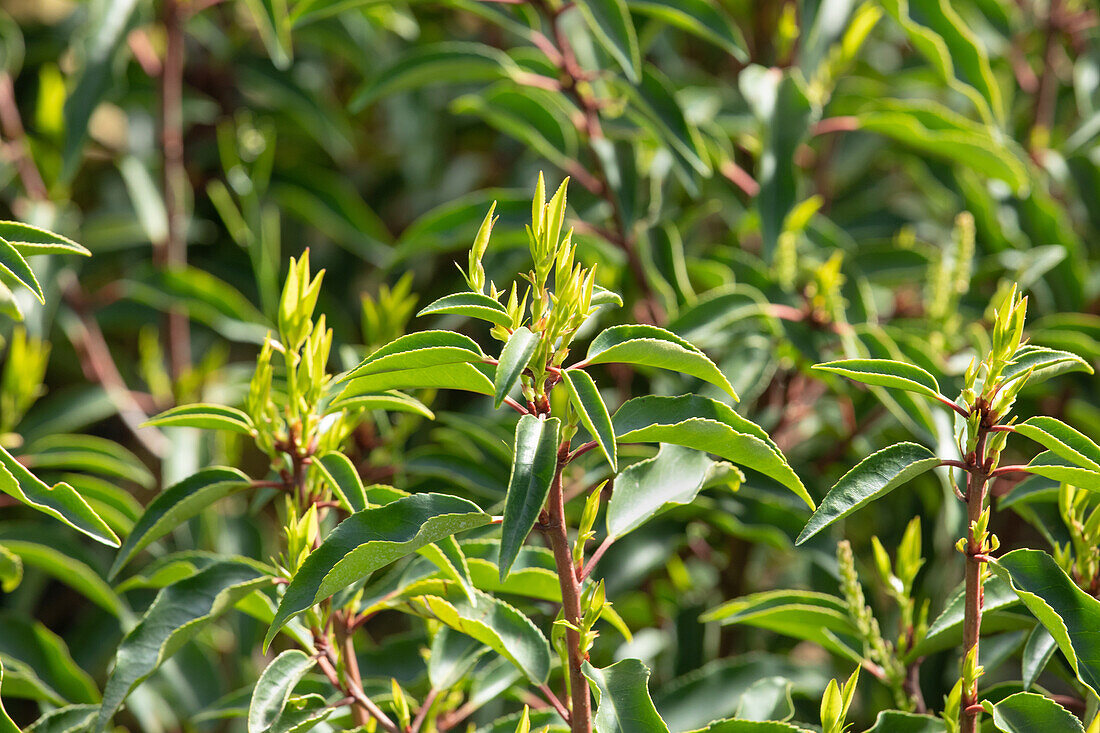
[728, 273]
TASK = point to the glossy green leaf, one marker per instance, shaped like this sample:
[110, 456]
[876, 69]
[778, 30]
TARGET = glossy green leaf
[434, 64]
[179, 612]
[372, 539]
[1052, 466]
[302, 713]
[417, 351]
[69, 719]
[466, 377]
[515, 355]
[452, 657]
[473, 305]
[701, 18]
[176, 505]
[946, 631]
[207, 417]
[32, 240]
[767, 699]
[872, 478]
[674, 476]
[341, 475]
[7, 725]
[1068, 613]
[749, 726]
[447, 555]
[586, 400]
[389, 401]
[623, 704]
[534, 465]
[274, 687]
[1027, 712]
[1065, 441]
[88, 453]
[704, 424]
[610, 22]
[1038, 650]
[885, 373]
[655, 347]
[59, 501]
[1039, 364]
[496, 625]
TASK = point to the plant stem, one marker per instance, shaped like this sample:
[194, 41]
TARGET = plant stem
[172, 252]
[555, 528]
[977, 483]
[359, 712]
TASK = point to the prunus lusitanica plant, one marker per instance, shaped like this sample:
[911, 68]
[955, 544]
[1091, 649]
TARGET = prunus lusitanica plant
[349, 422]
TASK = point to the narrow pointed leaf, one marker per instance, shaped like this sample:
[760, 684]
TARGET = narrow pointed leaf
[1042, 364]
[623, 703]
[418, 350]
[1068, 613]
[1038, 650]
[473, 305]
[59, 501]
[301, 714]
[13, 263]
[447, 555]
[513, 360]
[534, 464]
[467, 377]
[205, 416]
[707, 425]
[1027, 712]
[872, 478]
[1052, 466]
[1065, 441]
[179, 612]
[733, 725]
[69, 719]
[655, 347]
[495, 624]
[389, 401]
[610, 22]
[895, 721]
[68, 570]
[674, 476]
[32, 240]
[372, 539]
[885, 373]
[589, 405]
[341, 475]
[274, 687]
[176, 505]
[702, 18]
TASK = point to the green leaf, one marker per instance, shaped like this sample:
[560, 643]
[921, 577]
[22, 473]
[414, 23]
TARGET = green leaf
[1039, 364]
[447, 555]
[88, 453]
[785, 121]
[176, 505]
[534, 465]
[390, 401]
[885, 373]
[1026, 712]
[32, 240]
[674, 476]
[302, 714]
[69, 719]
[701, 18]
[817, 617]
[610, 22]
[468, 377]
[13, 263]
[59, 501]
[1037, 652]
[68, 570]
[452, 657]
[655, 347]
[872, 478]
[1051, 466]
[6, 723]
[39, 662]
[341, 475]
[590, 407]
[623, 704]
[947, 630]
[749, 726]
[496, 625]
[515, 355]
[11, 570]
[1065, 441]
[437, 63]
[473, 305]
[273, 689]
[372, 539]
[205, 416]
[1068, 613]
[177, 614]
[895, 721]
[707, 425]
[417, 351]
[935, 130]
